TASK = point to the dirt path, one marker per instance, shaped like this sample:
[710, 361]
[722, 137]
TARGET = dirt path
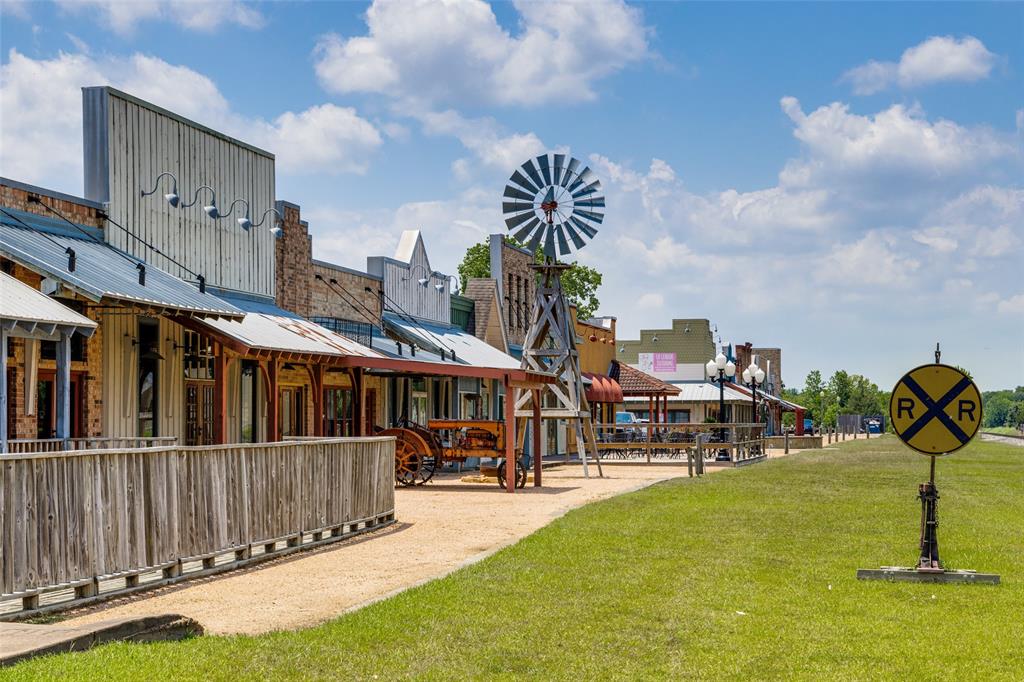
[1005, 440]
[440, 527]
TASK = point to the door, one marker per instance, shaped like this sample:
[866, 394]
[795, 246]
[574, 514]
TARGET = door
[370, 412]
[46, 405]
[198, 413]
[338, 412]
[290, 408]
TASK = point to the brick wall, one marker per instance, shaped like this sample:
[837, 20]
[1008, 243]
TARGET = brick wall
[294, 256]
[774, 355]
[357, 304]
[518, 287]
[81, 213]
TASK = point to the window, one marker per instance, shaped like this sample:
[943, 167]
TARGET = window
[339, 412]
[199, 361]
[418, 411]
[248, 401]
[149, 377]
[290, 410]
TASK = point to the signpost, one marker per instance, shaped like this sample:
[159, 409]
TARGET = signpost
[936, 410]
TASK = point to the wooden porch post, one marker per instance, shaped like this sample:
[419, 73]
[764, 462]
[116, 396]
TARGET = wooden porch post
[3, 390]
[650, 425]
[220, 411]
[510, 439]
[64, 387]
[318, 399]
[358, 390]
[273, 433]
[535, 428]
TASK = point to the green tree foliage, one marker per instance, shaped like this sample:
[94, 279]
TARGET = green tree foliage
[580, 282]
[843, 393]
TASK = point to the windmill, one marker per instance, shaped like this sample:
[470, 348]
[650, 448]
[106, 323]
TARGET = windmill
[555, 202]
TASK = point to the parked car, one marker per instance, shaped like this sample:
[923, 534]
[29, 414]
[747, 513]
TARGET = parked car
[873, 426]
[627, 422]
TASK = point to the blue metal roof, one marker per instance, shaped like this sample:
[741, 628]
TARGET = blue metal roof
[101, 271]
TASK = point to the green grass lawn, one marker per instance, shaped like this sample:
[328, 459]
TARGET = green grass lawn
[1002, 430]
[747, 573]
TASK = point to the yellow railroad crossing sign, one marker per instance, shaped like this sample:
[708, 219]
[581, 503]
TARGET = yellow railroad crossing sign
[935, 409]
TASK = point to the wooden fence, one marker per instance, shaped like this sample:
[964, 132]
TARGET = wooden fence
[743, 442]
[72, 519]
[34, 445]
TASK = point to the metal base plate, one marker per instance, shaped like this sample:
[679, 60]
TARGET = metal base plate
[898, 573]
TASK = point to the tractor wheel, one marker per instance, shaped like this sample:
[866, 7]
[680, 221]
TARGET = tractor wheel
[520, 474]
[415, 462]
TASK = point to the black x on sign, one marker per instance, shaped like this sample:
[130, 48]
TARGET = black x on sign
[935, 409]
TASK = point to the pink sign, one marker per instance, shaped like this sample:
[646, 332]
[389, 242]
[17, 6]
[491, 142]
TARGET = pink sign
[664, 362]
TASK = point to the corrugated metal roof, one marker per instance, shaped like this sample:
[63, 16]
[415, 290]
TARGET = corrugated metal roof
[267, 327]
[101, 271]
[700, 392]
[26, 307]
[468, 348]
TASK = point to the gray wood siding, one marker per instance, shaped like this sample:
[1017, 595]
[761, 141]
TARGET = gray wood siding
[141, 141]
[423, 302]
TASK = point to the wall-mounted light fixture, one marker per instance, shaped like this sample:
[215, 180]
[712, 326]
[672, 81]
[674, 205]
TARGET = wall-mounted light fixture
[243, 221]
[276, 229]
[422, 281]
[172, 196]
[211, 208]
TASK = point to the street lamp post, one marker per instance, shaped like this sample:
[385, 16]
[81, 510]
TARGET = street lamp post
[717, 370]
[753, 376]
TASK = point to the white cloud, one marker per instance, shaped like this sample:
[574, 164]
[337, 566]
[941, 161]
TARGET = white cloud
[16, 8]
[41, 107]
[651, 300]
[484, 137]
[200, 15]
[443, 52]
[1012, 305]
[939, 58]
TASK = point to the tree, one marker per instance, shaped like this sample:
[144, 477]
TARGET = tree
[840, 386]
[579, 282]
[998, 410]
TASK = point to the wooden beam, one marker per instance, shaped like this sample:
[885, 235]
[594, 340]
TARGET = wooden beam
[273, 434]
[3, 389]
[220, 408]
[535, 427]
[510, 440]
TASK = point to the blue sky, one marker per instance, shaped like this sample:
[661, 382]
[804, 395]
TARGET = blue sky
[841, 180]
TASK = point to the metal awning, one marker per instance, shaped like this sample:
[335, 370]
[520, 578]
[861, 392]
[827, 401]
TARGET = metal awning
[267, 329]
[30, 313]
[443, 340]
[103, 272]
[602, 389]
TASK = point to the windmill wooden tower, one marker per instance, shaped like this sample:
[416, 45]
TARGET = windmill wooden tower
[554, 201]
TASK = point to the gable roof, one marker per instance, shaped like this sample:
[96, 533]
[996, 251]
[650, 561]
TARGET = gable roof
[409, 244]
[637, 383]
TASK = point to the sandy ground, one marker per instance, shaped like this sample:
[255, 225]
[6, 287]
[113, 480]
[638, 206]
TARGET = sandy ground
[1005, 440]
[441, 527]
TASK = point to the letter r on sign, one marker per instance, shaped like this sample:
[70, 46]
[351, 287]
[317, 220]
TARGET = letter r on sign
[905, 405]
[965, 407]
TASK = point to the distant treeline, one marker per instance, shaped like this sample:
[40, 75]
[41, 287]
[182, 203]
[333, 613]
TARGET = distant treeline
[1004, 408]
[843, 393]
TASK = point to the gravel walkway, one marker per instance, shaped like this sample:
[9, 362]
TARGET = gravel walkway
[441, 527]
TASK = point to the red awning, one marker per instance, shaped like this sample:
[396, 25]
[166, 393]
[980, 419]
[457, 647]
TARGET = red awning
[603, 389]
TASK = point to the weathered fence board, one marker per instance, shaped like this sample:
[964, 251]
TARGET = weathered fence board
[72, 516]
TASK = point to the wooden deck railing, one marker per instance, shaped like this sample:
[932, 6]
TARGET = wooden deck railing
[74, 519]
[743, 442]
[35, 445]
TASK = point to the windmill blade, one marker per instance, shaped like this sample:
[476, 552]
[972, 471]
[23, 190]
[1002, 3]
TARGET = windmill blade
[592, 188]
[580, 180]
[590, 202]
[518, 220]
[574, 235]
[545, 168]
[559, 167]
[583, 227]
[531, 170]
[563, 246]
[522, 181]
[535, 240]
[592, 217]
[515, 193]
[570, 171]
[525, 231]
[549, 242]
[515, 207]
[549, 196]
